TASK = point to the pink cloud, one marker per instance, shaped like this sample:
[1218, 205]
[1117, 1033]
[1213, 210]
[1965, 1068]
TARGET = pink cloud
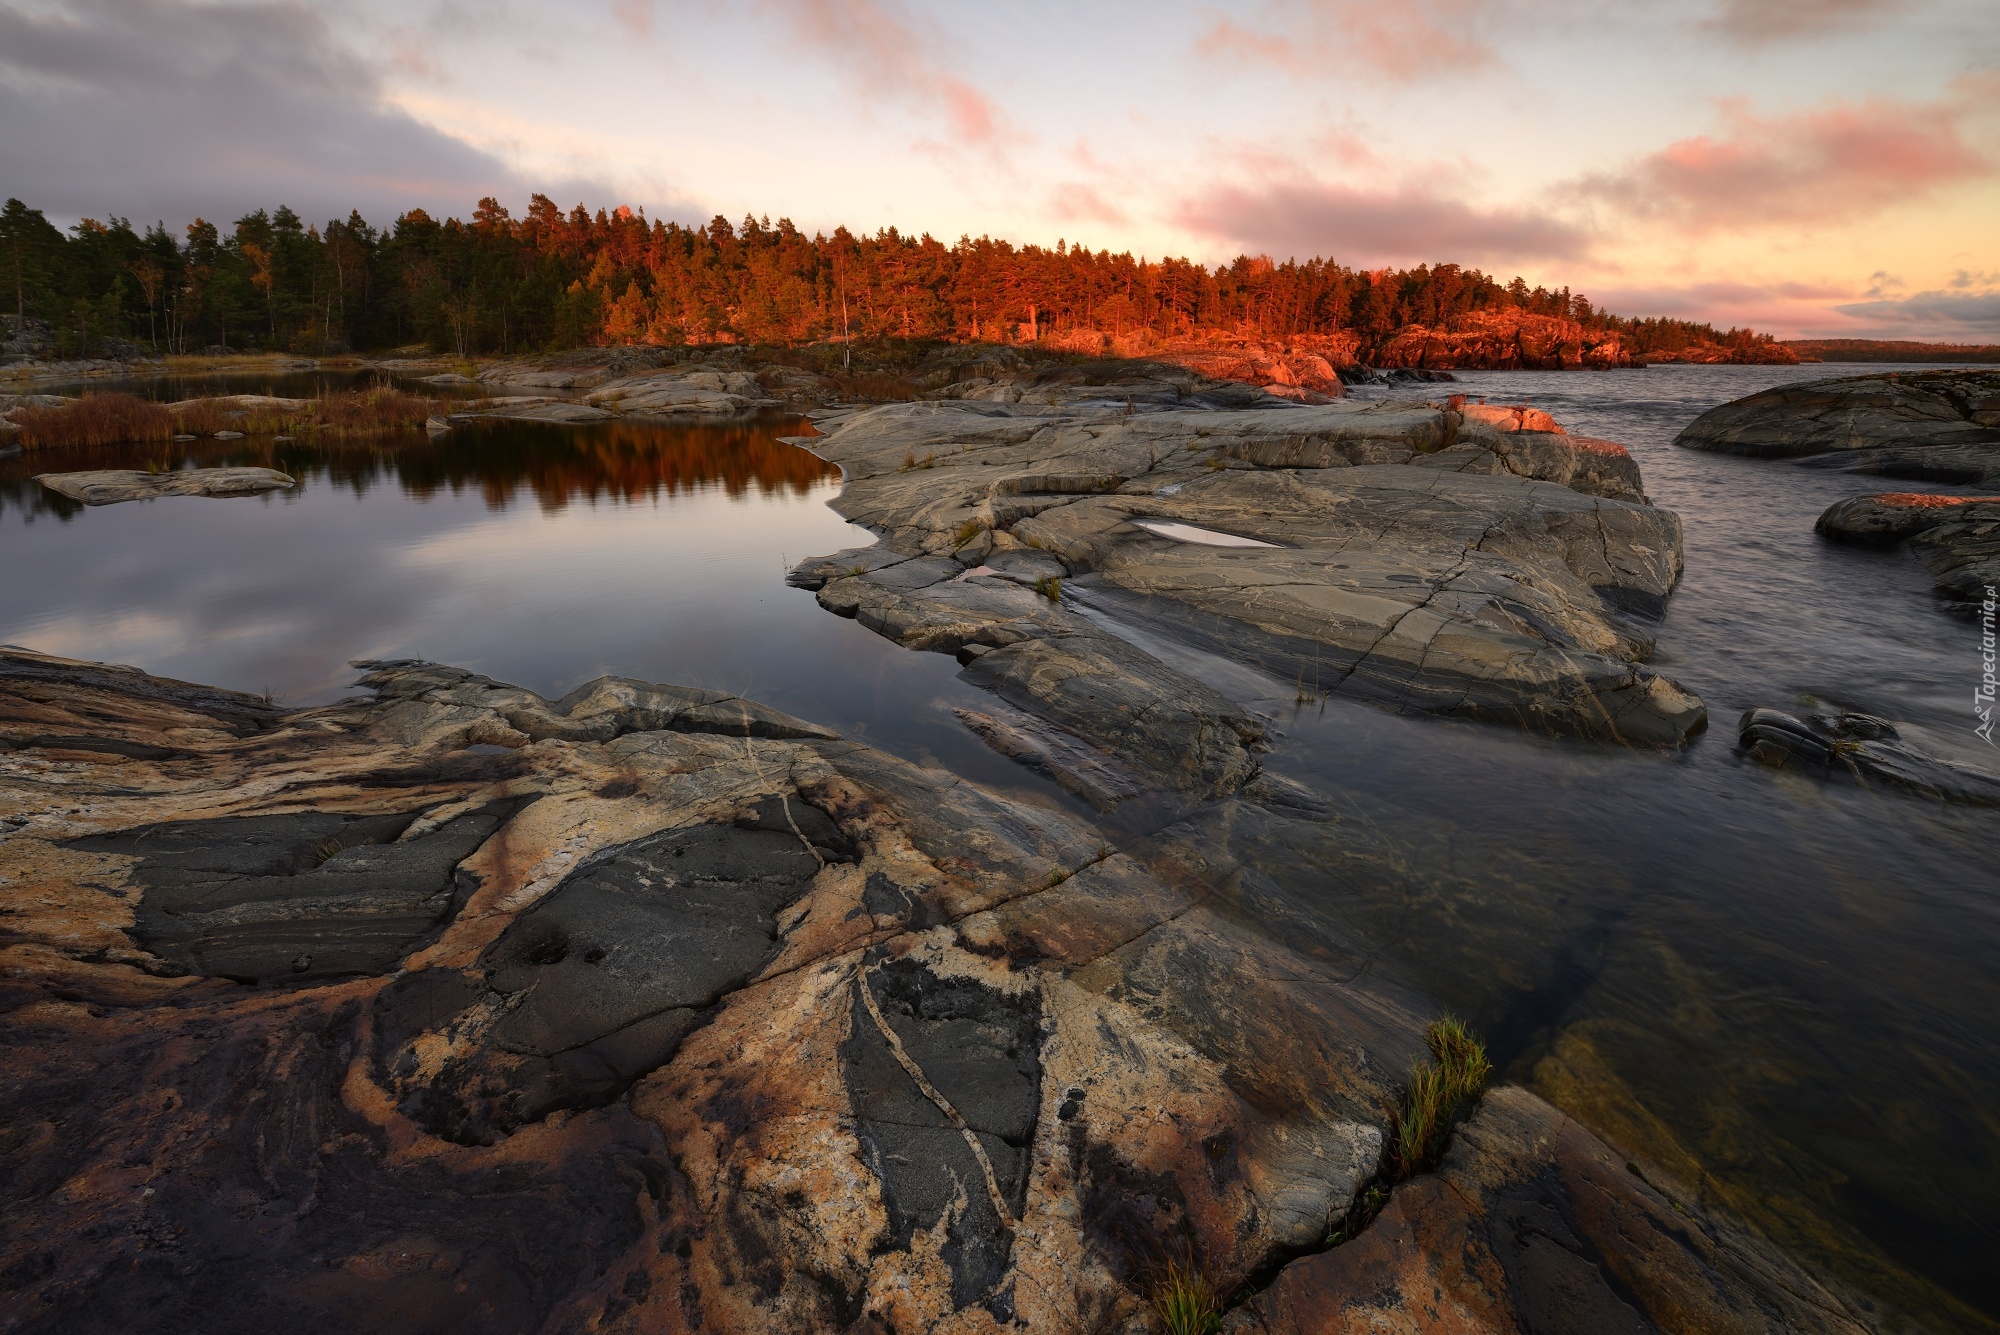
[1834, 164]
[1074, 201]
[1400, 40]
[1362, 226]
[1767, 20]
[1783, 308]
[890, 52]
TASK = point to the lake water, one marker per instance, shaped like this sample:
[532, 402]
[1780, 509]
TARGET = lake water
[1784, 994]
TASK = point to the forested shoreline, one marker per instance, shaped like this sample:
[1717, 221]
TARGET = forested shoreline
[552, 280]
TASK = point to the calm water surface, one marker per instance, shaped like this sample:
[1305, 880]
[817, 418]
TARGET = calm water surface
[1784, 994]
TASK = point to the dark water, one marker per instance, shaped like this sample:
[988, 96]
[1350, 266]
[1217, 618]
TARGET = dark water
[539, 555]
[1785, 994]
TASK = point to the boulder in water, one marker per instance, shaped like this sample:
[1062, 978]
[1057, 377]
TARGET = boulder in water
[111, 485]
[1956, 537]
[1937, 426]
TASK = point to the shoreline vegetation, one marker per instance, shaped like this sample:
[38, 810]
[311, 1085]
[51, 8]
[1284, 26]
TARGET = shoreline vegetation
[115, 418]
[552, 280]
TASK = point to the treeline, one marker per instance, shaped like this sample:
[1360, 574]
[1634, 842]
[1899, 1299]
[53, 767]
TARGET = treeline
[1891, 350]
[554, 280]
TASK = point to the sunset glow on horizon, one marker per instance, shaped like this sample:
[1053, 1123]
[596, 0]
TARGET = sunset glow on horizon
[1819, 168]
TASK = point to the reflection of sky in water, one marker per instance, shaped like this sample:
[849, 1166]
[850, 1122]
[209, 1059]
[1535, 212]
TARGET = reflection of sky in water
[539, 556]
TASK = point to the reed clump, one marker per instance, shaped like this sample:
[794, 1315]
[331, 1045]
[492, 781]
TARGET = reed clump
[370, 411]
[94, 419]
[118, 419]
[1436, 1096]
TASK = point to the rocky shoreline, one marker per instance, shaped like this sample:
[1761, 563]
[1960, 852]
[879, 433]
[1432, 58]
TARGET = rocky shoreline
[1933, 426]
[1439, 558]
[649, 1008]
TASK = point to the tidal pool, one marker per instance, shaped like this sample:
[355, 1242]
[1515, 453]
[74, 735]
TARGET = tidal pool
[1784, 993]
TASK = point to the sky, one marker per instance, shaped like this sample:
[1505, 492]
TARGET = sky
[1815, 168]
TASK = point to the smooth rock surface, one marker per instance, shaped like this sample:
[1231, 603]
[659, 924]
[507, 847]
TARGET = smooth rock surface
[1938, 426]
[717, 1027]
[110, 486]
[1407, 552]
[684, 390]
[1531, 1225]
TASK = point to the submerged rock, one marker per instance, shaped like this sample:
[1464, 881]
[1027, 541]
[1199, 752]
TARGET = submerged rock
[1936, 426]
[651, 1010]
[110, 486]
[1431, 559]
[1862, 748]
[1956, 537]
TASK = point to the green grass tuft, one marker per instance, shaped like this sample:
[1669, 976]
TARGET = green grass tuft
[1050, 587]
[1185, 1300]
[1420, 1126]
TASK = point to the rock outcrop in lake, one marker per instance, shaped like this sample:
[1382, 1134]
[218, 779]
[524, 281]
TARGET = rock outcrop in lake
[1435, 559]
[1956, 537]
[1861, 748]
[110, 486]
[451, 1007]
[1935, 426]
[639, 390]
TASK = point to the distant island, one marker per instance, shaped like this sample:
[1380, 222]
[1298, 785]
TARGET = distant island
[553, 280]
[1889, 350]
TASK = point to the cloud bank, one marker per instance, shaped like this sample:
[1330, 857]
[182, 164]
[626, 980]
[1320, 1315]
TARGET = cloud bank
[1365, 226]
[1836, 164]
[169, 109]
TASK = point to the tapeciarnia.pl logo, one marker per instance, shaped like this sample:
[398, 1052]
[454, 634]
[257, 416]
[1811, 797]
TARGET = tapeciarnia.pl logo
[1982, 694]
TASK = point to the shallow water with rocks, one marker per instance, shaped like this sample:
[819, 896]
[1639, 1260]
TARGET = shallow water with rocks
[1776, 989]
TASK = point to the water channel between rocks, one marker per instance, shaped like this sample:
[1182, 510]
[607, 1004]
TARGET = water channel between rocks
[1782, 992]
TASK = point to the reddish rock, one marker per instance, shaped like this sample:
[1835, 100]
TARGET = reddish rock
[1529, 1225]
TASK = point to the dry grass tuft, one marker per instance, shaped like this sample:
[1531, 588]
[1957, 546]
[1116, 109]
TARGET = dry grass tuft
[117, 419]
[368, 411]
[94, 419]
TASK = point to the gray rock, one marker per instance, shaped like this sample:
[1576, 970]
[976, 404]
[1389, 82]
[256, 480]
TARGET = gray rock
[1938, 426]
[1861, 748]
[110, 486]
[540, 410]
[293, 897]
[1956, 537]
[1432, 559]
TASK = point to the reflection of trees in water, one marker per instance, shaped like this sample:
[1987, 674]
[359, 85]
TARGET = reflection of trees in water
[623, 461]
